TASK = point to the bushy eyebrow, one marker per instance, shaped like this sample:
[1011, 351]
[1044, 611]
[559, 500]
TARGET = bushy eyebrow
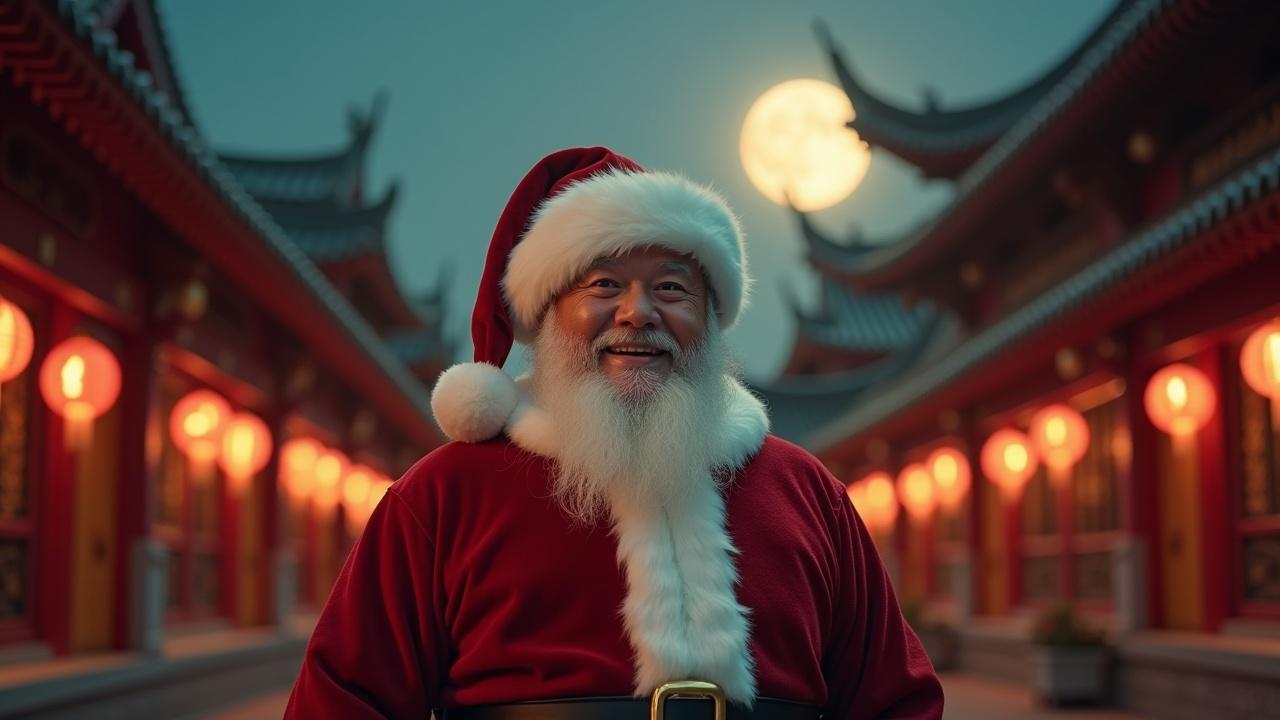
[677, 268]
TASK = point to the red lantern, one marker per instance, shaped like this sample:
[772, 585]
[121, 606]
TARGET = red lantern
[1009, 461]
[882, 502]
[1180, 400]
[196, 425]
[1260, 365]
[857, 493]
[16, 341]
[331, 466]
[80, 380]
[1061, 437]
[1260, 360]
[951, 475]
[297, 466]
[915, 487]
[355, 492]
[380, 487]
[246, 448]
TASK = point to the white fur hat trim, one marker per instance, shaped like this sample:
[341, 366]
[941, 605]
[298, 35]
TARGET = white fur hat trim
[610, 213]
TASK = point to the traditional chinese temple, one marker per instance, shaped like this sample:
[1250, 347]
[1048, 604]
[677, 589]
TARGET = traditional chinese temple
[209, 374]
[1075, 397]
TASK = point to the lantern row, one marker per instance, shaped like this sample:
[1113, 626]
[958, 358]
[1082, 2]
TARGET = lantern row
[1179, 399]
[325, 476]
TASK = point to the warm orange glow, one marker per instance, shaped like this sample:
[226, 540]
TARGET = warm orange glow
[1180, 400]
[330, 468]
[246, 448]
[857, 493]
[16, 341]
[1061, 436]
[951, 475]
[297, 466]
[882, 501]
[355, 489]
[915, 487]
[80, 380]
[196, 425]
[1260, 360]
[1008, 460]
[381, 485]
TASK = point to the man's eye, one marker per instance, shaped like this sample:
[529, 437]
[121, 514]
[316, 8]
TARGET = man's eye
[670, 287]
[604, 283]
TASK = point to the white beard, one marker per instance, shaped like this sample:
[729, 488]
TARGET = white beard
[644, 444]
[647, 453]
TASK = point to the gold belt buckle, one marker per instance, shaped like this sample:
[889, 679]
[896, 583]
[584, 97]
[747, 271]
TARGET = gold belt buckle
[687, 688]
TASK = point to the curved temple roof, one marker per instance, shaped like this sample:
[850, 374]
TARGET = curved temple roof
[337, 175]
[1138, 36]
[1141, 261]
[861, 322]
[945, 142]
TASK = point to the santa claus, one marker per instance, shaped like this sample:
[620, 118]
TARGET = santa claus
[616, 527]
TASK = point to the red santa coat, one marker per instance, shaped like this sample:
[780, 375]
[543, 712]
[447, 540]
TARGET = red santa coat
[469, 586]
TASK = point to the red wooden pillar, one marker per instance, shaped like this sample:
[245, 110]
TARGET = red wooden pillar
[977, 558]
[272, 538]
[52, 569]
[1066, 532]
[1013, 546]
[1140, 516]
[137, 388]
[1216, 548]
[228, 548]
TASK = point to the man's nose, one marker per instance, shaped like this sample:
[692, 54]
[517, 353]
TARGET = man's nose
[636, 309]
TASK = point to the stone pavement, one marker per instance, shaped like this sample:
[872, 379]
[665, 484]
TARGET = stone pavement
[968, 698]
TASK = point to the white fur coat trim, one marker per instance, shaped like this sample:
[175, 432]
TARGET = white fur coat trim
[681, 612]
[613, 212]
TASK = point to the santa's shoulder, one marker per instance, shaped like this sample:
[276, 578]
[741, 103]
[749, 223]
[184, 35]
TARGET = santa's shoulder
[775, 450]
[785, 462]
[461, 463]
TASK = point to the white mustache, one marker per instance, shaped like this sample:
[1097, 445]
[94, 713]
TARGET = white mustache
[653, 338]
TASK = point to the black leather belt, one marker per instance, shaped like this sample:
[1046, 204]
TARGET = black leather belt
[629, 708]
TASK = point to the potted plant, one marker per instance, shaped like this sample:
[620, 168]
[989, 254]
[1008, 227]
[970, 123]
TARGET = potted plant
[1073, 658]
[938, 637]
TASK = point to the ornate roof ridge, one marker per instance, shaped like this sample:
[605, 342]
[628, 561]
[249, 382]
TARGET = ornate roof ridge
[1176, 232]
[944, 142]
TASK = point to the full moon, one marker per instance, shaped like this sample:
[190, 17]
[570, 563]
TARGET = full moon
[796, 145]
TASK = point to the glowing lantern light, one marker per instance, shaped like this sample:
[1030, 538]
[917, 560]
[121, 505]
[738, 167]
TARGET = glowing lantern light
[1260, 365]
[857, 493]
[1061, 437]
[882, 502]
[951, 475]
[915, 487]
[1180, 400]
[1009, 461]
[246, 448]
[331, 466]
[297, 466]
[356, 488]
[80, 380]
[381, 485]
[16, 341]
[196, 425]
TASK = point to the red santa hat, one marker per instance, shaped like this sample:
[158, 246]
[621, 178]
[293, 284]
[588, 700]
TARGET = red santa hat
[574, 207]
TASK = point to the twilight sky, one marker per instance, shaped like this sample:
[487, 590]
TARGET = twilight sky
[479, 91]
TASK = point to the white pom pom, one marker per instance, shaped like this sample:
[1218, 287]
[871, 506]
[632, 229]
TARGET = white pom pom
[472, 401]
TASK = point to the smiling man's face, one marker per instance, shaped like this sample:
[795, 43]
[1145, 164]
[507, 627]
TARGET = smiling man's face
[638, 313]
